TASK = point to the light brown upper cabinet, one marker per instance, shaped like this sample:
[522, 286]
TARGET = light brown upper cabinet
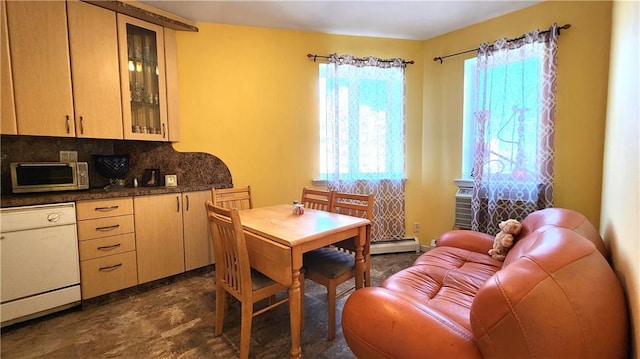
[7, 107]
[47, 52]
[142, 70]
[41, 72]
[171, 63]
[93, 41]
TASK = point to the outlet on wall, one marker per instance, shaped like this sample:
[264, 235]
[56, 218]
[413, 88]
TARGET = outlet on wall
[416, 227]
[68, 156]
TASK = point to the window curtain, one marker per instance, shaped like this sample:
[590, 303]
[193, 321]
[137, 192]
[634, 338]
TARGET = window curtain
[365, 136]
[514, 120]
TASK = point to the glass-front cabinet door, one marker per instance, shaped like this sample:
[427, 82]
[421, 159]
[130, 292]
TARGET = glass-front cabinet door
[142, 67]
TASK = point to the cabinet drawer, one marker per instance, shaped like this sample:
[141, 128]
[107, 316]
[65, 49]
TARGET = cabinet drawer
[104, 208]
[108, 274]
[104, 227]
[107, 246]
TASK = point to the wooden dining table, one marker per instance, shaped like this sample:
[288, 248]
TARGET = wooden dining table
[277, 238]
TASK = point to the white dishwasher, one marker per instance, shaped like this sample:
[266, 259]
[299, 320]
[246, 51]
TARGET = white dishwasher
[39, 264]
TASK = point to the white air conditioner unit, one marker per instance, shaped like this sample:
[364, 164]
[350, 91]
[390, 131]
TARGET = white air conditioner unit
[462, 219]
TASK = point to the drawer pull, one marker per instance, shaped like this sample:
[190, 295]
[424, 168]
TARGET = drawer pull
[106, 209]
[107, 228]
[110, 268]
[109, 248]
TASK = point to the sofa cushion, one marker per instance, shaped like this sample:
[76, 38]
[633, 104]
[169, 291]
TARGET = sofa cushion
[446, 280]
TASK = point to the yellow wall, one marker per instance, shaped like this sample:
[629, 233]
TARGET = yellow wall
[580, 113]
[249, 96]
[620, 225]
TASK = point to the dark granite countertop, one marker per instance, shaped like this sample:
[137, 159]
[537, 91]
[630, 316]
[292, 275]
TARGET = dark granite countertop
[27, 199]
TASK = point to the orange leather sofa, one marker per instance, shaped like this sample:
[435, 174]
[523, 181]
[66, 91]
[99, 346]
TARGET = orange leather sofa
[554, 296]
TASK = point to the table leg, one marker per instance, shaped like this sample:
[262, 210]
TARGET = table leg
[294, 314]
[360, 241]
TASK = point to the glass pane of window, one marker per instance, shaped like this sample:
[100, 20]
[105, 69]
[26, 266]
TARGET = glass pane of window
[368, 126]
[513, 129]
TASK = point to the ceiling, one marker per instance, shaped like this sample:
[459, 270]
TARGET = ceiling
[413, 20]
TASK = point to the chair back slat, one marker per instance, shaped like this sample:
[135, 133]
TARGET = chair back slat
[355, 205]
[352, 204]
[239, 198]
[316, 198]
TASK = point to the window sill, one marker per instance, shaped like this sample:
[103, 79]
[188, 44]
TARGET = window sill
[320, 182]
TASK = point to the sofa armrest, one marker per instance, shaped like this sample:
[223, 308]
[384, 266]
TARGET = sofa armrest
[557, 298]
[379, 323]
[465, 239]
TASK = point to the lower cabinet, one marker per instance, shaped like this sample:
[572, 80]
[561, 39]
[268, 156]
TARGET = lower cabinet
[133, 240]
[107, 246]
[198, 246]
[159, 244]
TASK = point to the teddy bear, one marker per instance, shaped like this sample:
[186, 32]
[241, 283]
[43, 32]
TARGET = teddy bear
[505, 238]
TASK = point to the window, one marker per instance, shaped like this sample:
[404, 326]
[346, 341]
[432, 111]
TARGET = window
[514, 106]
[365, 138]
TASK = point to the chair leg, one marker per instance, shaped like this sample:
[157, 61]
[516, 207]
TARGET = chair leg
[245, 329]
[367, 275]
[331, 310]
[221, 295]
[228, 300]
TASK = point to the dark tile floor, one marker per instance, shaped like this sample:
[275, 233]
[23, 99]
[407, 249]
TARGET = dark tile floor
[175, 320]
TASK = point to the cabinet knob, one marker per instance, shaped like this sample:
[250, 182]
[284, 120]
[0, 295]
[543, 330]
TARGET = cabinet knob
[67, 124]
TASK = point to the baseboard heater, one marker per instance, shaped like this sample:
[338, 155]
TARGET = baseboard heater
[396, 246]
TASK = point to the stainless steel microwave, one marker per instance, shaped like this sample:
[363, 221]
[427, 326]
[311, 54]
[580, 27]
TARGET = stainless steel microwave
[49, 176]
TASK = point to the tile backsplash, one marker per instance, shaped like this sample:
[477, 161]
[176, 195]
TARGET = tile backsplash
[191, 168]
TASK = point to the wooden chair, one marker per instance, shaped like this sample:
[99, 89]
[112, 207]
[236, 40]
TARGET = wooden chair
[316, 198]
[234, 274]
[239, 198]
[331, 266]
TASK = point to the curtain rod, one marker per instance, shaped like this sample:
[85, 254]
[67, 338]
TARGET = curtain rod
[314, 57]
[440, 58]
